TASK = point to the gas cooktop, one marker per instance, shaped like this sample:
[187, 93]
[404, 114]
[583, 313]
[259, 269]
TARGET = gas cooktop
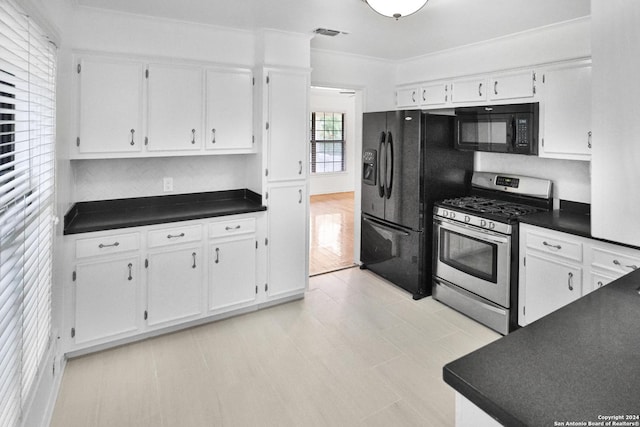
[500, 210]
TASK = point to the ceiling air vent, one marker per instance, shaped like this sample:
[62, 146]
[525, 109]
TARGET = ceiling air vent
[327, 32]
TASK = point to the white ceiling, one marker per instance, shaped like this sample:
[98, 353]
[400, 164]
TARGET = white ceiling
[441, 24]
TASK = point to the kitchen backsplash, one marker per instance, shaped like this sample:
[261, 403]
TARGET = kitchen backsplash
[124, 178]
[571, 178]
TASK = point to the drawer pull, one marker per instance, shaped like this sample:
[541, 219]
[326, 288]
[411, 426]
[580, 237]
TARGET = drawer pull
[174, 236]
[570, 281]
[217, 256]
[237, 227]
[558, 247]
[632, 266]
[130, 267]
[101, 246]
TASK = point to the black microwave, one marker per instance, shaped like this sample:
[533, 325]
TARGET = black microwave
[498, 128]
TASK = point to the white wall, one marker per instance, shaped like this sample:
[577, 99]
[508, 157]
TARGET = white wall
[543, 45]
[332, 100]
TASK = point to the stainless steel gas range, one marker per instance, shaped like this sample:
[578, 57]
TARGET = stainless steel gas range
[475, 264]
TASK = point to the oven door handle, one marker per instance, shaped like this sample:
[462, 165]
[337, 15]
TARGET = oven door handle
[478, 233]
[385, 227]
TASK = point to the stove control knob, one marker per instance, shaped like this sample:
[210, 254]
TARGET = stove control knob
[492, 225]
[453, 215]
[483, 223]
[467, 218]
[445, 213]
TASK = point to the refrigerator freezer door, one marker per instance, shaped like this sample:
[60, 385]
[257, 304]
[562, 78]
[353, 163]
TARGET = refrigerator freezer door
[394, 253]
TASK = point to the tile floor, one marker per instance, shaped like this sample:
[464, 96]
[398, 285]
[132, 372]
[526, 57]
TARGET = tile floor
[356, 351]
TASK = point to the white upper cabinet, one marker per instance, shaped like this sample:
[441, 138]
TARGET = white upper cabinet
[469, 91]
[229, 110]
[565, 124]
[287, 125]
[519, 85]
[175, 108]
[110, 99]
[437, 94]
[407, 97]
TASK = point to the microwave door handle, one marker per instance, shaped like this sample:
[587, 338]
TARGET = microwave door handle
[389, 160]
[514, 133]
[381, 165]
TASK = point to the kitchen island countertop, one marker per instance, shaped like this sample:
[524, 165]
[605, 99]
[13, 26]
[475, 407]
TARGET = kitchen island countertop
[577, 364]
[84, 217]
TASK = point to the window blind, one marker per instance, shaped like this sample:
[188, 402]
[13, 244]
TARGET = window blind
[27, 159]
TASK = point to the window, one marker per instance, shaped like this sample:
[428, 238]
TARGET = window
[327, 142]
[27, 137]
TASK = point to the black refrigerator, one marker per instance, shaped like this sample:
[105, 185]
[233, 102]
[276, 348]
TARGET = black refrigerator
[408, 163]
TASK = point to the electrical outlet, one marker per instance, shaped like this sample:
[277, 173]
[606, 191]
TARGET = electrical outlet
[167, 184]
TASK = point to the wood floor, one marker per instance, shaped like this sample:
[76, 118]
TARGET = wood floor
[331, 232]
[356, 351]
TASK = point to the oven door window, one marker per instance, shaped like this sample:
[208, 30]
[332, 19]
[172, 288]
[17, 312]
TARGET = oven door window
[476, 257]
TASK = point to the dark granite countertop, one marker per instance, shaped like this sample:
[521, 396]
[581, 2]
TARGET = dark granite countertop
[102, 215]
[567, 221]
[575, 364]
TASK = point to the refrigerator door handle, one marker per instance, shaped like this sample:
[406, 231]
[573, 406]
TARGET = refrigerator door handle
[389, 166]
[382, 168]
[386, 227]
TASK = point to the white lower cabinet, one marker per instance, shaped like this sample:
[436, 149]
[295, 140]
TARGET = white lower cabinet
[106, 298]
[288, 236]
[174, 285]
[232, 280]
[126, 286]
[557, 268]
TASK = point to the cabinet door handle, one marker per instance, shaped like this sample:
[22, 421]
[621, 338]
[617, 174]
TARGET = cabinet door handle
[558, 247]
[193, 136]
[632, 266]
[495, 87]
[194, 260]
[237, 227]
[299, 167]
[174, 236]
[600, 284]
[130, 267]
[424, 94]
[115, 244]
[480, 89]
[217, 256]
[570, 281]
[213, 138]
[132, 132]
[300, 199]
[589, 134]
[413, 96]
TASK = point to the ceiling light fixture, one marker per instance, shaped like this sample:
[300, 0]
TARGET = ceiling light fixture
[396, 8]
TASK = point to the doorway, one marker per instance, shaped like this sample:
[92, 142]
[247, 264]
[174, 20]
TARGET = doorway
[334, 186]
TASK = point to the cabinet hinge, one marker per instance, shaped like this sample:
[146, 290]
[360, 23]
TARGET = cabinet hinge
[266, 241]
[544, 77]
[534, 89]
[524, 261]
[146, 263]
[256, 244]
[73, 276]
[253, 81]
[78, 142]
[524, 311]
[73, 332]
[534, 76]
[266, 195]
[267, 126]
[79, 68]
[146, 315]
[146, 73]
[253, 139]
[268, 79]
[146, 140]
[266, 287]
[266, 172]
[543, 142]
[256, 289]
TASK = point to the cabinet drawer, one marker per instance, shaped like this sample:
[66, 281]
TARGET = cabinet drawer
[230, 228]
[107, 245]
[617, 261]
[174, 235]
[555, 245]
